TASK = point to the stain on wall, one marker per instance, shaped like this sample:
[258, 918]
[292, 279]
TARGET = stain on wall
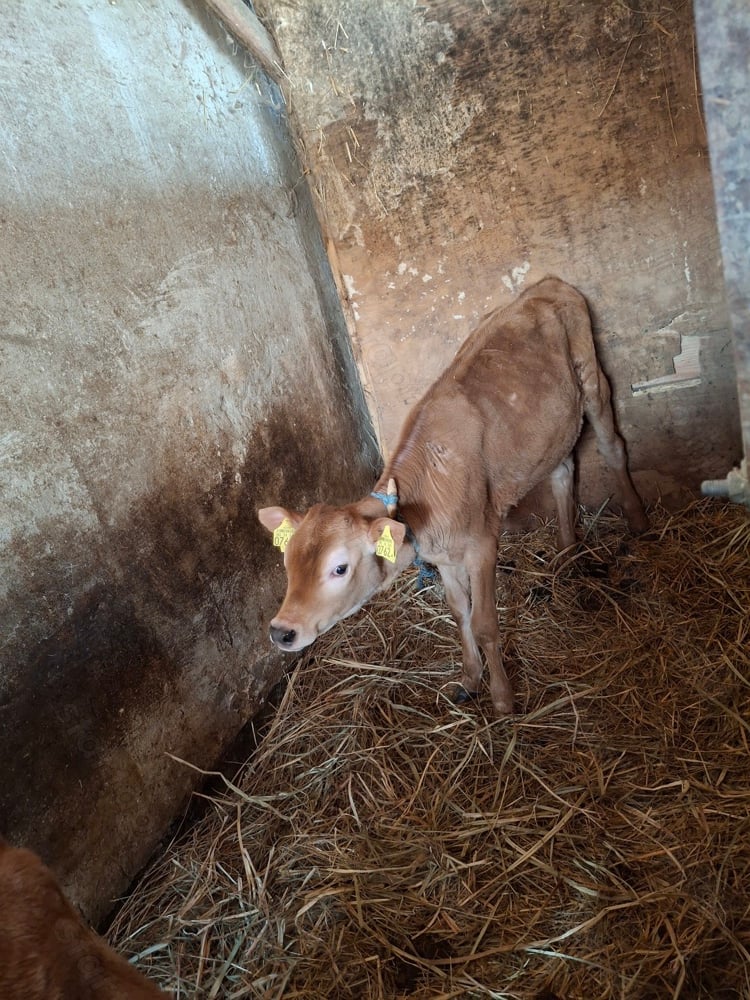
[172, 355]
[462, 150]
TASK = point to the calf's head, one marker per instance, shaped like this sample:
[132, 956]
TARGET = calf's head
[335, 560]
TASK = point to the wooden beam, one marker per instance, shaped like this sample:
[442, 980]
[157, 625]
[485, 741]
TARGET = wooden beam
[244, 25]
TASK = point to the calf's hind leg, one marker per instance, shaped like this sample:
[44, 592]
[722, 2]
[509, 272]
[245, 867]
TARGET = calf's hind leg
[598, 409]
[562, 490]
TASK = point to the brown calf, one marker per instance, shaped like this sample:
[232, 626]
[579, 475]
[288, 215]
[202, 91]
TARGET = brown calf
[503, 416]
[46, 951]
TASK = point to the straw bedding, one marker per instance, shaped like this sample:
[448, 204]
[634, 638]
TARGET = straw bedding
[383, 843]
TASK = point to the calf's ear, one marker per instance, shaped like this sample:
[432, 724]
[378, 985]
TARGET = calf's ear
[383, 531]
[272, 517]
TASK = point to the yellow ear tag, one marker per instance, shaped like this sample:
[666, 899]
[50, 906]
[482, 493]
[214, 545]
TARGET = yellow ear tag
[283, 533]
[385, 546]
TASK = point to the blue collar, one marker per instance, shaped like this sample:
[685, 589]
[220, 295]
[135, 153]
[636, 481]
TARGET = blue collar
[387, 499]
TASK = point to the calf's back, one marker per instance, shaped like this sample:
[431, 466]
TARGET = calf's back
[507, 410]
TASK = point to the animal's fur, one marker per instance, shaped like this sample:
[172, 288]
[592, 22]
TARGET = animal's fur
[46, 951]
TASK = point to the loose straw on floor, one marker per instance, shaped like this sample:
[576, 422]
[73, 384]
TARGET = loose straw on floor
[383, 843]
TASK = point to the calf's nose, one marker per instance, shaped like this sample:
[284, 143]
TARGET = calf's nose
[282, 636]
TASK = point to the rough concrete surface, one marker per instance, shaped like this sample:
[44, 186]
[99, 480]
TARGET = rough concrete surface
[723, 28]
[461, 150]
[172, 356]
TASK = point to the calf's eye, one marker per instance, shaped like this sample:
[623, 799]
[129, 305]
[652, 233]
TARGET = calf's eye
[341, 569]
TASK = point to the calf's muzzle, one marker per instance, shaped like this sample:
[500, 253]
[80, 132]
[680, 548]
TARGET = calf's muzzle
[282, 637]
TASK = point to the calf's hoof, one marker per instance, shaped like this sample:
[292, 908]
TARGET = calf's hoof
[638, 522]
[462, 695]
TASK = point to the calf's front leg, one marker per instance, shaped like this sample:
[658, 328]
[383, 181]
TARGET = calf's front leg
[456, 583]
[470, 593]
[484, 622]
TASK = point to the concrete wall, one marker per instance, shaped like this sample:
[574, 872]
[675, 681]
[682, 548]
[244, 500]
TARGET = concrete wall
[723, 35]
[172, 356]
[462, 150]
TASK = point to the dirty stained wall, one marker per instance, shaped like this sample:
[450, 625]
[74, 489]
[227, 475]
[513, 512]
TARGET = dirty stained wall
[172, 356]
[461, 150]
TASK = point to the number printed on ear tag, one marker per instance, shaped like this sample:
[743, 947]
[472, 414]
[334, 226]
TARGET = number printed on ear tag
[385, 546]
[283, 533]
